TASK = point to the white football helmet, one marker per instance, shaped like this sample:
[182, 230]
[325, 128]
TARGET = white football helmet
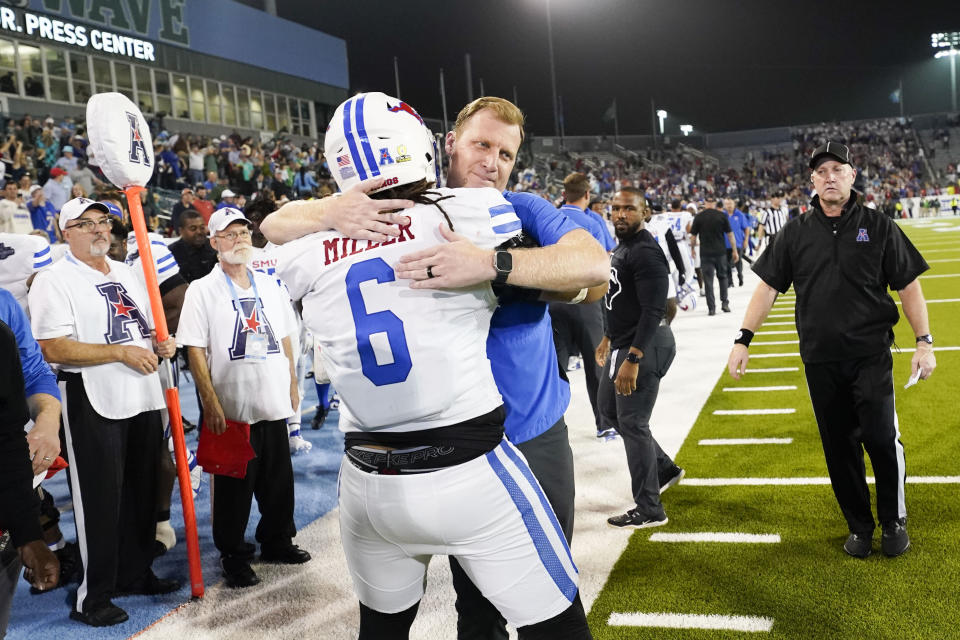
[373, 135]
[687, 297]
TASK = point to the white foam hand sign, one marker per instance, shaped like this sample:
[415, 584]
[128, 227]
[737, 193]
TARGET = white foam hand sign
[120, 139]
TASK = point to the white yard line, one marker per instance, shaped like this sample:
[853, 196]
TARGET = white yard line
[780, 324]
[785, 332]
[789, 387]
[707, 536]
[773, 370]
[775, 342]
[764, 482]
[691, 621]
[944, 260]
[938, 300]
[780, 315]
[774, 355]
[752, 412]
[939, 250]
[942, 275]
[719, 442]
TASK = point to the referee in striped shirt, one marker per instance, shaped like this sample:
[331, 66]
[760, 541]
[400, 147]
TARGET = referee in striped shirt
[773, 218]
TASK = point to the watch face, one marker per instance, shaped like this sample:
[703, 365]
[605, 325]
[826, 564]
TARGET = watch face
[504, 261]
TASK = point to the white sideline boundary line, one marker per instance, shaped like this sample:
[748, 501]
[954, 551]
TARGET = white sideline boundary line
[939, 300]
[708, 536]
[773, 370]
[751, 624]
[786, 387]
[777, 342]
[765, 482]
[718, 442]
[774, 355]
[752, 412]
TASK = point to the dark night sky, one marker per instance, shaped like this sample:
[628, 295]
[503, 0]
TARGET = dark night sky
[720, 65]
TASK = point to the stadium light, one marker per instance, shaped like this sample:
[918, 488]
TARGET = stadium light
[947, 44]
[661, 115]
[686, 129]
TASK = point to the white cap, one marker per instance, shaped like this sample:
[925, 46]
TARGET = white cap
[226, 193]
[75, 208]
[223, 218]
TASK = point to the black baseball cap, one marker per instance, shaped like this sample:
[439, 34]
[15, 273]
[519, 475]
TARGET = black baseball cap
[832, 151]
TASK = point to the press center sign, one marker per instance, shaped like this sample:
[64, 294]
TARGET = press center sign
[75, 34]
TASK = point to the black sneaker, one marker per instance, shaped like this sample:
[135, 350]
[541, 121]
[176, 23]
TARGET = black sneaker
[149, 585]
[712, 312]
[318, 418]
[725, 307]
[636, 520]
[895, 540]
[291, 554]
[71, 569]
[238, 574]
[859, 545]
[671, 478]
[105, 615]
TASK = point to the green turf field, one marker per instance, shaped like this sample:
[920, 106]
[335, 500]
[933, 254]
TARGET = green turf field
[805, 586]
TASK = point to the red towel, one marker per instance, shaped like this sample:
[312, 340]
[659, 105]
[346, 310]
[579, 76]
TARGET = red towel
[226, 454]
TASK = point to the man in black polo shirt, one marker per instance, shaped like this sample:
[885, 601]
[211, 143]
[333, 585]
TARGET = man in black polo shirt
[193, 251]
[841, 257]
[709, 227]
[638, 331]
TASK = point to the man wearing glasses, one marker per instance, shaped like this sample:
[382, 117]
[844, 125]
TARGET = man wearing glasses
[89, 314]
[236, 324]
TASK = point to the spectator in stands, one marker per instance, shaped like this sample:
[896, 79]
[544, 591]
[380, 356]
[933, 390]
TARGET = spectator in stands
[193, 251]
[195, 164]
[303, 183]
[186, 202]
[228, 199]
[201, 203]
[43, 214]
[14, 215]
[85, 177]
[211, 181]
[67, 162]
[57, 187]
[77, 191]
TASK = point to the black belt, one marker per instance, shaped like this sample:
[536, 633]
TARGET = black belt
[410, 460]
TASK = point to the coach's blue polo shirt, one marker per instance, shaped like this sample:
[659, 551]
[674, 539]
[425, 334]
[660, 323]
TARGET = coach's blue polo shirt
[520, 343]
[37, 376]
[592, 222]
[739, 222]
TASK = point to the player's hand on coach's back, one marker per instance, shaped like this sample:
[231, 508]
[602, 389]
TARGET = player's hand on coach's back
[137, 358]
[453, 264]
[359, 216]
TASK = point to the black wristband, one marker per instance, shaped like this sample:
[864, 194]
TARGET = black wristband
[744, 336]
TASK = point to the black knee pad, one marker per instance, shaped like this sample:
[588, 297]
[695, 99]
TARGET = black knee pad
[375, 625]
[571, 624]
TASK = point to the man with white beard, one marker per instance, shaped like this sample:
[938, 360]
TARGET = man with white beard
[236, 324]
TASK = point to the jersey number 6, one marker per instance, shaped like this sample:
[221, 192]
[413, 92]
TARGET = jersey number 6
[368, 324]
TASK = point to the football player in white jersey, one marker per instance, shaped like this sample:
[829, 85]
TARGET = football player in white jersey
[89, 314]
[427, 470]
[22, 256]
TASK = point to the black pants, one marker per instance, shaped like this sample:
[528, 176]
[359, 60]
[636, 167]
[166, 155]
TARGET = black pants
[269, 478]
[853, 402]
[630, 415]
[731, 265]
[712, 264]
[578, 328]
[9, 573]
[113, 480]
[551, 460]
